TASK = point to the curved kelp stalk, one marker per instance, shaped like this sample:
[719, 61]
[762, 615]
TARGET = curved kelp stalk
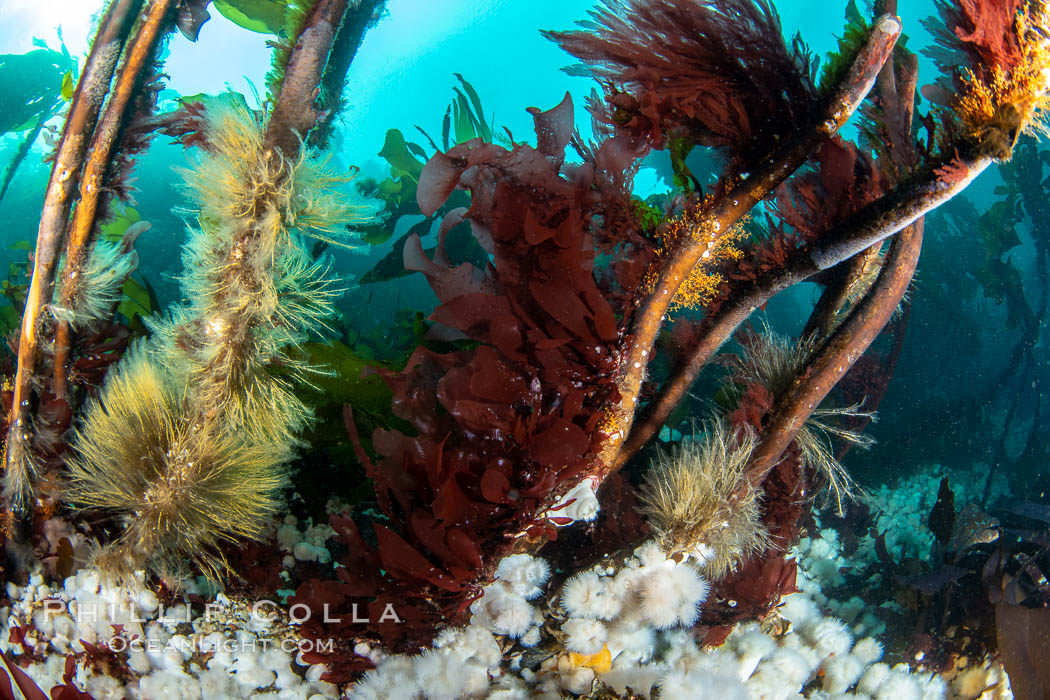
[154, 25]
[76, 136]
[220, 424]
[727, 211]
[838, 354]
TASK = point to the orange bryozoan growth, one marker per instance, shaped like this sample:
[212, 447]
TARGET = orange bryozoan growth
[689, 228]
[1003, 90]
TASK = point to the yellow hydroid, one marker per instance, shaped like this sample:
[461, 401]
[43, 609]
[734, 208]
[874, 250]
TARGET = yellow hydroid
[690, 228]
[178, 490]
[1006, 101]
[98, 290]
[188, 441]
[254, 289]
[699, 503]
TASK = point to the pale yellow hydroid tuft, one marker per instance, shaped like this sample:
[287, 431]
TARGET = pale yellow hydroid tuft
[179, 491]
[773, 361]
[699, 503]
[187, 443]
[254, 290]
[99, 288]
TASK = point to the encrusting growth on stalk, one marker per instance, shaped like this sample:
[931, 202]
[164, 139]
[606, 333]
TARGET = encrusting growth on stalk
[691, 499]
[253, 288]
[187, 444]
[691, 228]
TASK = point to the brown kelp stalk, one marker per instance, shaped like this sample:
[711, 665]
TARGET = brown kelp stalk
[360, 16]
[838, 354]
[156, 22]
[895, 88]
[84, 110]
[295, 113]
[728, 210]
[871, 225]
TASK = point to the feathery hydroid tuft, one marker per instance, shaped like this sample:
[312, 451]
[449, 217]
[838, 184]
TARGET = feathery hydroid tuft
[698, 502]
[99, 288]
[180, 491]
[253, 289]
[188, 441]
[772, 362]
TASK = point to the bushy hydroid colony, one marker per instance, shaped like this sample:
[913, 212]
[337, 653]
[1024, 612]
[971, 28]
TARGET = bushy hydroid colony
[251, 288]
[772, 362]
[140, 454]
[188, 442]
[98, 291]
[698, 500]
[1001, 86]
[91, 301]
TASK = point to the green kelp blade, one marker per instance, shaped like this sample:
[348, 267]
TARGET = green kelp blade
[396, 151]
[10, 319]
[138, 300]
[30, 86]
[231, 97]
[67, 86]
[347, 385]
[484, 128]
[463, 119]
[114, 228]
[263, 16]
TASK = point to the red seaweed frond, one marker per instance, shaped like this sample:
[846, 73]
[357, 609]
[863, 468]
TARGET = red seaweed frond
[135, 137]
[520, 410]
[981, 32]
[715, 72]
[843, 181]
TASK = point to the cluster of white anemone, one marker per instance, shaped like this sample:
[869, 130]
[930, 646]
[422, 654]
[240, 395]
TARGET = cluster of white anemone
[623, 625]
[462, 663]
[618, 610]
[306, 544]
[615, 611]
[169, 652]
[626, 626]
[817, 656]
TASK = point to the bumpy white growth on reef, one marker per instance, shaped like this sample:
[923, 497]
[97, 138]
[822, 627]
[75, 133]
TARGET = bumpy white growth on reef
[303, 545]
[622, 625]
[904, 509]
[228, 652]
[626, 625]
